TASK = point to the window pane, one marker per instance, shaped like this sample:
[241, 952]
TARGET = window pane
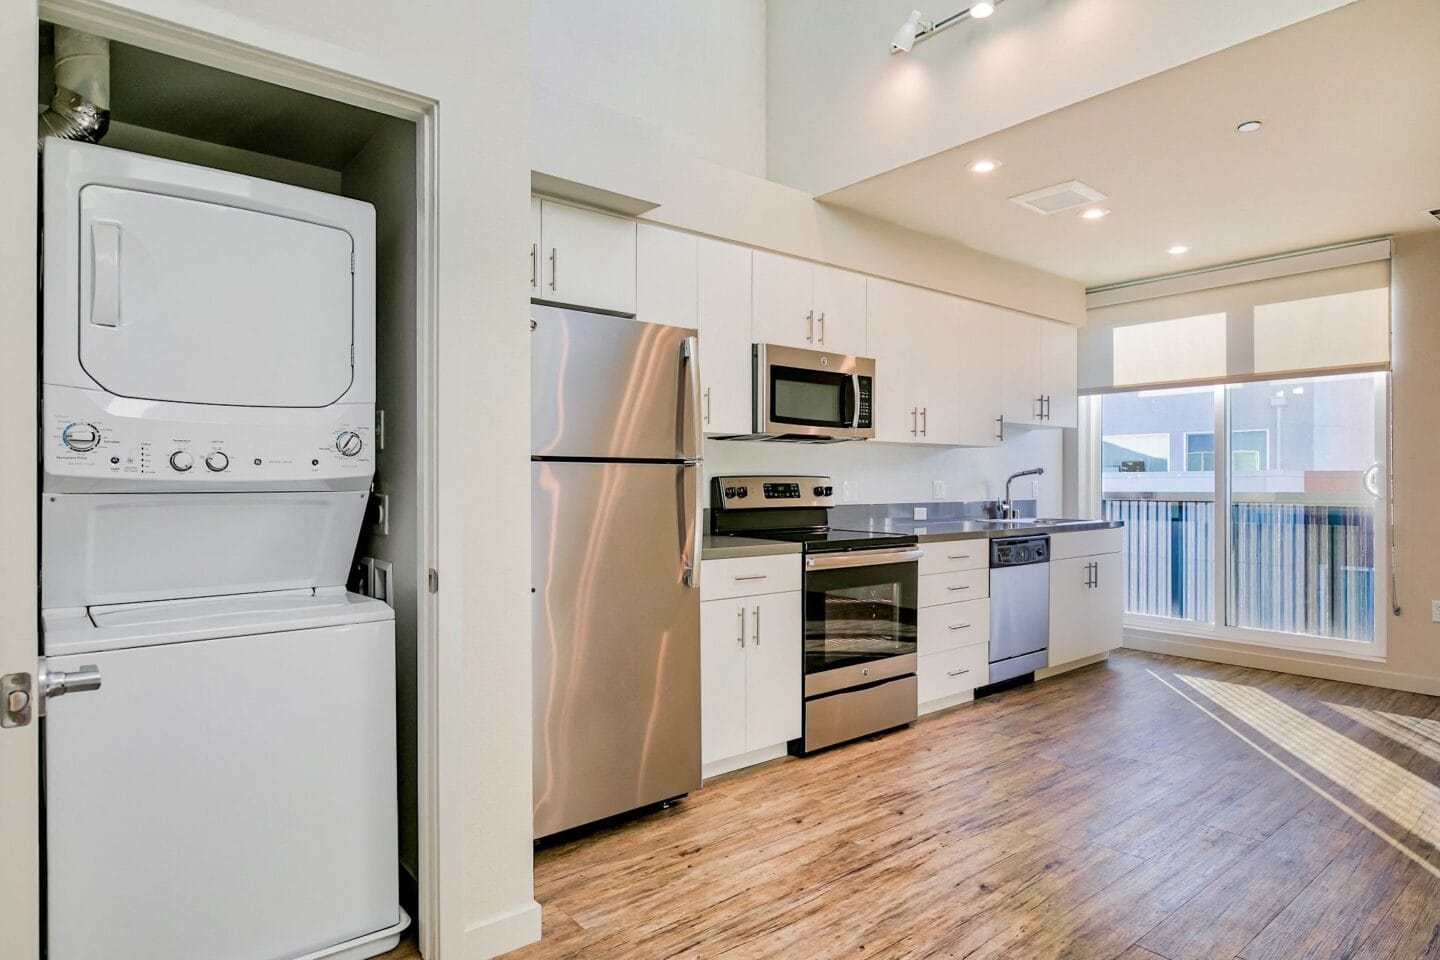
[1157, 458]
[1304, 468]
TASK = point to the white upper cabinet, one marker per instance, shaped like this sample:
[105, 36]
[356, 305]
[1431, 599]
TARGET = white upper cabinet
[1040, 370]
[584, 259]
[914, 335]
[1059, 370]
[666, 276]
[807, 305]
[536, 255]
[724, 320]
[981, 373]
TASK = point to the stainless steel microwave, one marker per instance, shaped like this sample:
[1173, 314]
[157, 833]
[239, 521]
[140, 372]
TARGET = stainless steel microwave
[809, 395]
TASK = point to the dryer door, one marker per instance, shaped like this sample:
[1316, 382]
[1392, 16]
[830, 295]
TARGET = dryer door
[194, 302]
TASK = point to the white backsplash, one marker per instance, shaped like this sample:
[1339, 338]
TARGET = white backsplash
[893, 473]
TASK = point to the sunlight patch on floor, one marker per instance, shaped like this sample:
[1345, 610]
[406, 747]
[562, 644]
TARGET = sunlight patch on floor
[1392, 726]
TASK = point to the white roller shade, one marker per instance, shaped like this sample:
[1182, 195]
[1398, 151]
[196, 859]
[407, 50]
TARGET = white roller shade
[1307, 314]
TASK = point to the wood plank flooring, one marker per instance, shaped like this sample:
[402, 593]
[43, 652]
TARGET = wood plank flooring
[1100, 814]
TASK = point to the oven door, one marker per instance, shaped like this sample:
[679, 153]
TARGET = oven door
[807, 393]
[860, 615]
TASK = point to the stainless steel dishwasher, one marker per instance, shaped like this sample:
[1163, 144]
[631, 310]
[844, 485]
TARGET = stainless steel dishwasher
[1019, 606]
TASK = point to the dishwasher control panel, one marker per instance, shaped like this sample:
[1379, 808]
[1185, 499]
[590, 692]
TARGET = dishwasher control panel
[1019, 551]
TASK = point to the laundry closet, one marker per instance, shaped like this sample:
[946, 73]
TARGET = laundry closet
[232, 394]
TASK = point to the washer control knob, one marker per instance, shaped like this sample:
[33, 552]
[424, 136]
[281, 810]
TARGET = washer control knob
[349, 443]
[217, 461]
[80, 437]
[181, 461]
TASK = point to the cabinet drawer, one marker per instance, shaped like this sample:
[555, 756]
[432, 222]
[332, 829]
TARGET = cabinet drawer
[953, 625]
[953, 672]
[1085, 543]
[949, 556]
[749, 576]
[938, 588]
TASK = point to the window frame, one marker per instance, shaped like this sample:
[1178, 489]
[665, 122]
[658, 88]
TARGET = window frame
[1091, 498]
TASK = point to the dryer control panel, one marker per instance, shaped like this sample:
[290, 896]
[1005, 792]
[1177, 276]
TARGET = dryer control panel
[96, 443]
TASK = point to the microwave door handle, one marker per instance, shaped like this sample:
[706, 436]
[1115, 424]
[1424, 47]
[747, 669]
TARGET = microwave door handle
[855, 401]
[692, 427]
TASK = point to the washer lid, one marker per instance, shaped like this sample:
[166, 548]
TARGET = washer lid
[195, 302]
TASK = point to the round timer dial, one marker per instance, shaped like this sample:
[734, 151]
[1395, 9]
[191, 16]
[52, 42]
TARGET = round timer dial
[349, 443]
[80, 437]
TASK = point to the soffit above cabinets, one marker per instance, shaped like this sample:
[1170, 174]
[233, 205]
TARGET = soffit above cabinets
[1343, 154]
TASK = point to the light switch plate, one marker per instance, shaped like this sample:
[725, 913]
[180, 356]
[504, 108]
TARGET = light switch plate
[937, 489]
[850, 491]
[1435, 610]
[922, 513]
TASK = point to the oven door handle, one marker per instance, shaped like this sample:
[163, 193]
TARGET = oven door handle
[861, 558]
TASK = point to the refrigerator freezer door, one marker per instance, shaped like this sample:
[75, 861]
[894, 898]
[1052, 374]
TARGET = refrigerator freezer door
[616, 639]
[607, 388]
[227, 799]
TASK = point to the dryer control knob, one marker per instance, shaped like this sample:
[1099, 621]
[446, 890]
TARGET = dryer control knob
[80, 437]
[217, 461]
[349, 443]
[181, 461]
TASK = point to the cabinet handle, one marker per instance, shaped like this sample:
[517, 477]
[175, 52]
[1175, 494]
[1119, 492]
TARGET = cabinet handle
[740, 630]
[1046, 399]
[756, 633]
[1000, 428]
[707, 404]
[554, 267]
[924, 421]
[810, 327]
[755, 576]
[534, 264]
[956, 673]
[960, 626]
[822, 328]
[914, 421]
[1096, 565]
[957, 556]
[963, 586]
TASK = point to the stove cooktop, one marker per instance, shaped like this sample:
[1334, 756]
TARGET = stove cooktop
[828, 540]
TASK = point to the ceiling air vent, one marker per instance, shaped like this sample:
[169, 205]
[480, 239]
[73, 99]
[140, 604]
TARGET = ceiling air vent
[1059, 198]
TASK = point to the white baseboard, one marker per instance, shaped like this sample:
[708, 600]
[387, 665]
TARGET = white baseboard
[1347, 672]
[750, 759]
[1045, 672]
[945, 703]
[491, 938]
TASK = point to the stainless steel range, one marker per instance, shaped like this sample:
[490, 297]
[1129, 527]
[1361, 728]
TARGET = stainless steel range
[860, 599]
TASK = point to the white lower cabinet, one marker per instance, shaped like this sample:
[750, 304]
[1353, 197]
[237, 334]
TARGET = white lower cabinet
[953, 623]
[951, 677]
[1087, 606]
[751, 677]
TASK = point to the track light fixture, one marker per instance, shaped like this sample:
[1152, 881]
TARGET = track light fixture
[914, 29]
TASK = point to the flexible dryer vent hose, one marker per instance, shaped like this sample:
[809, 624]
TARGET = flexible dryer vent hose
[80, 109]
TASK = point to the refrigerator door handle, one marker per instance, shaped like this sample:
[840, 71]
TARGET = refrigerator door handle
[692, 426]
[690, 521]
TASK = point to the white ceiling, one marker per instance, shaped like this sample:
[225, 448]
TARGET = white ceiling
[1350, 148]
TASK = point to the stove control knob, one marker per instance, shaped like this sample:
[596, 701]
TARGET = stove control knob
[80, 437]
[181, 461]
[742, 492]
[819, 491]
[217, 461]
[349, 443]
[729, 493]
[829, 491]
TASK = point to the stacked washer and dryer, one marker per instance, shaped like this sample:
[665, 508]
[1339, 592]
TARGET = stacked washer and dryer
[219, 739]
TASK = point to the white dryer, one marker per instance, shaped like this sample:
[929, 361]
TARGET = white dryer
[220, 770]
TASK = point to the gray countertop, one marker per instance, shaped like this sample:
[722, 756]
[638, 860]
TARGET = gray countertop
[725, 547]
[933, 530]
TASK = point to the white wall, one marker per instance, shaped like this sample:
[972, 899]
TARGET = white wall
[474, 60]
[841, 108]
[895, 473]
[696, 70]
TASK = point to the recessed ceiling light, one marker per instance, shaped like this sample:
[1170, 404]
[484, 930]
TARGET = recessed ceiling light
[1178, 249]
[1094, 213]
[984, 166]
[1249, 126]
[981, 10]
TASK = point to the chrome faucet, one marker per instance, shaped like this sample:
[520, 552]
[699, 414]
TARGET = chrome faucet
[1007, 506]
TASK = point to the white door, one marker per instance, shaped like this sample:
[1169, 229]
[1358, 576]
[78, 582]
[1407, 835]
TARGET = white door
[980, 377]
[19, 745]
[1107, 624]
[783, 301]
[839, 302]
[1072, 604]
[665, 276]
[1059, 369]
[588, 258]
[724, 320]
[536, 247]
[939, 357]
[260, 313]
[774, 690]
[895, 333]
[1019, 351]
[724, 632]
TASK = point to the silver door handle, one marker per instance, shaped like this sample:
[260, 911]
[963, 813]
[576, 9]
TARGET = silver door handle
[963, 586]
[924, 421]
[956, 673]
[707, 404]
[756, 632]
[855, 386]
[960, 626]
[57, 683]
[822, 328]
[554, 267]
[690, 362]
[1096, 565]
[1000, 428]
[1046, 398]
[534, 263]
[957, 556]
[860, 558]
[755, 576]
[810, 327]
[914, 421]
[740, 630]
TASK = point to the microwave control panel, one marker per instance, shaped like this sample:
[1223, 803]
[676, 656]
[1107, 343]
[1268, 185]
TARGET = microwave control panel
[863, 399]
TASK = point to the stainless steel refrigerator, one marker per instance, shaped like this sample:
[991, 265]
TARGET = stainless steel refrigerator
[615, 486]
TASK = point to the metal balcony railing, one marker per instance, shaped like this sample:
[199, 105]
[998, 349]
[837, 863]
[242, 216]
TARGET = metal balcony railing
[1297, 564]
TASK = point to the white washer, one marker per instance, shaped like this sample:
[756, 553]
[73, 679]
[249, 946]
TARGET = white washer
[208, 401]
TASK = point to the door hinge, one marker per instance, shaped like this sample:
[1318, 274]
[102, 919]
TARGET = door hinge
[433, 579]
[17, 700]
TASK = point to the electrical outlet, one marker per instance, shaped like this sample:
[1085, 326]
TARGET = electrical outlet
[1435, 610]
[381, 578]
[937, 489]
[850, 491]
[922, 513]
